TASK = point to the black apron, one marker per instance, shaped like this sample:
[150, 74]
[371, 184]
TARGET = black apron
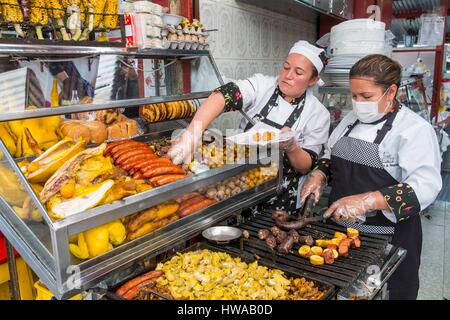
[356, 169]
[287, 200]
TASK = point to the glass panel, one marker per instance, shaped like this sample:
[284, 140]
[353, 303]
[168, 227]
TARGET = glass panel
[14, 193]
[44, 82]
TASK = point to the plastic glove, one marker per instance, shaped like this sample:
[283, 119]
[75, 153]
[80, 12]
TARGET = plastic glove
[288, 146]
[352, 208]
[182, 149]
[313, 185]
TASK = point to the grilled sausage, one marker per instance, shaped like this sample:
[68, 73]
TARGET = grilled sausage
[131, 162]
[154, 164]
[151, 163]
[191, 201]
[134, 282]
[271, 241]
[159, 171]
[111, 145]
[186, 196]
[275, 230]
[280, 215]
[165, 179]
[356, 243]
[328, 256]
[344, 247]
[263, 234]
[308, 240]
[281, 236]
[129, 154]
[125, 145]
[286, 245]
[295, 235]
[196, 207]
[138, 175]
[128, 148]
[134, 292]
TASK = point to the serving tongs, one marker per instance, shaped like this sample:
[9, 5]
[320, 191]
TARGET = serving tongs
[305, 212]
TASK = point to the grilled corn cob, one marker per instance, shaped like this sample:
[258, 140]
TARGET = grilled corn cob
[112, 9]
[89, 18]
[38, 16]
[57, 12]
[12, 13]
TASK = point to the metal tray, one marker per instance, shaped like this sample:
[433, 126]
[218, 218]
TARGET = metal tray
[329, 289]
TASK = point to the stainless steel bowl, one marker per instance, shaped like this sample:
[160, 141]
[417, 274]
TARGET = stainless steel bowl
[222, 234]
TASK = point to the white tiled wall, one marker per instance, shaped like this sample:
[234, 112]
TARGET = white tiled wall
[252, 40]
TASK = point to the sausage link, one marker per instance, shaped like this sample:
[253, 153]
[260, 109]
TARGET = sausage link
[159, 171]
[134, 282]
[196, 207]
[134, 160]
[165, 179]
[129, 154]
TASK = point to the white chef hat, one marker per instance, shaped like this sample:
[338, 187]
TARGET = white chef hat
[312, 53]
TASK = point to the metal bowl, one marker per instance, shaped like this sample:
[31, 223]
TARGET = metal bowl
[222, 234]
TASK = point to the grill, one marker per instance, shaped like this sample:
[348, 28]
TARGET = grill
[342, 273]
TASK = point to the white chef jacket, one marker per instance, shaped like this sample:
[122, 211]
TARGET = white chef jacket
[409, 152]
[311, 129]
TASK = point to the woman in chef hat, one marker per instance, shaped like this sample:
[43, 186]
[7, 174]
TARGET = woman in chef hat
[284, 102]
[383, 164]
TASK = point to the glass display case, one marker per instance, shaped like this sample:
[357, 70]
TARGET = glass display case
[56, 194]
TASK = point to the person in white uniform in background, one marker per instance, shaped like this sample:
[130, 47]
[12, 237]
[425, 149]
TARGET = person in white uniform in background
[284, 102]
[383, 164]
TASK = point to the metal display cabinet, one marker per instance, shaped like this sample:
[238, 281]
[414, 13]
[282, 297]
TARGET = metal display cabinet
[44, 245]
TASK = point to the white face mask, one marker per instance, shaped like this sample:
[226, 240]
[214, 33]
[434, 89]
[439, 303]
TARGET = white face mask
[367, 111]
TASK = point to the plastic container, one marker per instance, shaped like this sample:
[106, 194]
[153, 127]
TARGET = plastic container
[172, 19]
[42, 293]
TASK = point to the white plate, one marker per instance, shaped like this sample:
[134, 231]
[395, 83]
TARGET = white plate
[247, 138]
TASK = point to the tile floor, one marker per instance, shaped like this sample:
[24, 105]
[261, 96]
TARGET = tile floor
[435, 263]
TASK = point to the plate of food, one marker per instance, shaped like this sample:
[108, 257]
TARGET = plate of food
[261, 134]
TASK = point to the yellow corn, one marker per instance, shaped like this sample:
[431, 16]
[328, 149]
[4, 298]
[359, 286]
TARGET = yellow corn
[98, 6]
[57, 12]
[111, 21]
[12, 13]
[38, 13]
[55, 9]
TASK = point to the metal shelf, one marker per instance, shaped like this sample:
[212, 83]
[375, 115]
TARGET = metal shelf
[6, 47]
[45, 112]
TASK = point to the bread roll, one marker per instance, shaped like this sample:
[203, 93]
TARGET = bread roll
[75, 130]
[97, 131]
[131, 127]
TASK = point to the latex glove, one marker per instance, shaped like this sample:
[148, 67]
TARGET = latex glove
[287, 146]
[352, 208]
[313, 185]
[182, 149]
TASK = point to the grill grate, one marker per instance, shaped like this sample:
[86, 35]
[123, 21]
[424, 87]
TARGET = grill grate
[342, 273]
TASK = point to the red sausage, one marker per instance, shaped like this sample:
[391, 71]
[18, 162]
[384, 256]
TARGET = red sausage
[196, 207]
[111, 145]
[120, 160]
[131, 162]
[165, 179]
[159, 171]
[191, 202]
[134, 282]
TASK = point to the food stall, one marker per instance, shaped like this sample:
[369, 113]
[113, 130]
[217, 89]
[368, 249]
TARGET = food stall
[90, 202]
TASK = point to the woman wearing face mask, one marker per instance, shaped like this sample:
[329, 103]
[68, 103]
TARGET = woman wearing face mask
[383, 164]
[284, 103]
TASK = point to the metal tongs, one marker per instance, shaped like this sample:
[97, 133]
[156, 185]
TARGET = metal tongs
[306, 211]
[247, 117]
